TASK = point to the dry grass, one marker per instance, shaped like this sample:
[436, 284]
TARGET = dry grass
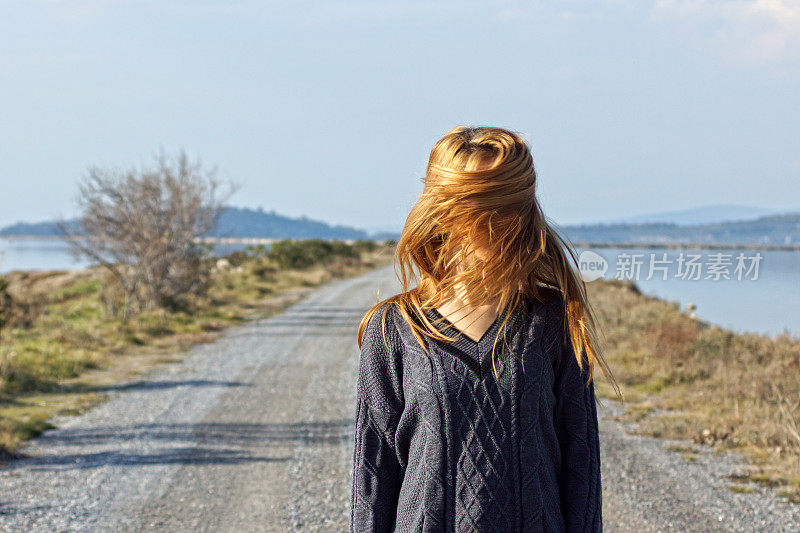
[65, 359]
[707, 385]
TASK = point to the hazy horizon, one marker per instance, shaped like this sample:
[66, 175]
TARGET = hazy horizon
[711, 212]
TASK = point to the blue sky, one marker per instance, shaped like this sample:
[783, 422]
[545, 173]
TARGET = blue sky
[329, 109]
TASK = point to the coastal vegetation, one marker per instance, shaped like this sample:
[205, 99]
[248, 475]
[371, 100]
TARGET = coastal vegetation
[68, 337]
[63, 348]
[684, 379]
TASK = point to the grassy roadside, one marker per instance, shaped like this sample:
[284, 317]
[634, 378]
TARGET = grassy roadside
[683, 379]
[64, 354]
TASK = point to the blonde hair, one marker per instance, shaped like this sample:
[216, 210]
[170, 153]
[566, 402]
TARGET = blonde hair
[479, 192]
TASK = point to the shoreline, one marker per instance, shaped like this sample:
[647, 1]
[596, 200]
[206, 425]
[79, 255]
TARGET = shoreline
[689, 246]
[584, 244]
[685, 378]
[207, 240]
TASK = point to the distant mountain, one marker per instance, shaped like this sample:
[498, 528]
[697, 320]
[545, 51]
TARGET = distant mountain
[233, 222]
[35, 229]
[709, 214]
[243, 222]
[773, 229]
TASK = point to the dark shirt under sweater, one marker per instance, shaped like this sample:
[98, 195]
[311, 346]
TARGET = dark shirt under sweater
[440, 445]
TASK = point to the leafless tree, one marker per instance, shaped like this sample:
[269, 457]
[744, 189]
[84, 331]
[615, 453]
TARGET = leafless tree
[141, 225]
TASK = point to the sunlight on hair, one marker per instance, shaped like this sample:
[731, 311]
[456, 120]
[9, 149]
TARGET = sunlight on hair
[479, 202]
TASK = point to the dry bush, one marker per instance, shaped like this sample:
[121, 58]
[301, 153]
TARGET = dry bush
[5, 304]
[141, 225]
[19, 308]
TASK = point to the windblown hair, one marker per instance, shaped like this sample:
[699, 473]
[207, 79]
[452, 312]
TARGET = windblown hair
[479, 192]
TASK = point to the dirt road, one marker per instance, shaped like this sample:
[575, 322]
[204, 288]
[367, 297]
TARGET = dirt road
[254, 433]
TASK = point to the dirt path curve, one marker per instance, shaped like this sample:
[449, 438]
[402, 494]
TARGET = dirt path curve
[254, 433]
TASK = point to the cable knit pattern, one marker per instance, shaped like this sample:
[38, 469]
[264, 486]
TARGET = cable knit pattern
[442, 446]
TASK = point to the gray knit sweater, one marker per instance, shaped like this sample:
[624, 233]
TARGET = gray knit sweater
[440, 445]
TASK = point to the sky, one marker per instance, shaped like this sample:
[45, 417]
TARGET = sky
[330, 109]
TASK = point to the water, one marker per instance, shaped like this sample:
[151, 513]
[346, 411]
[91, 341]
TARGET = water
[766, 301]
[53, 254]
[769, 304]
[36, 254]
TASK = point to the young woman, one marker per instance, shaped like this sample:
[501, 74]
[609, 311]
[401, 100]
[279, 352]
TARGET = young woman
[475, 398]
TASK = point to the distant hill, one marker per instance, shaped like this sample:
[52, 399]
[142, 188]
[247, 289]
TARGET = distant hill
[234, 222]
[708, 214]
[34, 229]
[243, 222]
[773, 229]
[715, 224]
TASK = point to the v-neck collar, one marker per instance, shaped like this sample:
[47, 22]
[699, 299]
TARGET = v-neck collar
[461, 335]
[474, 354]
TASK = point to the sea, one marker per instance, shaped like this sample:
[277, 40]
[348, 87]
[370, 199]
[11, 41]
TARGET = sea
[743, 290]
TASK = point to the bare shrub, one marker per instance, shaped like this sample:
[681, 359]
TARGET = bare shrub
[19, 308]
[141, 225]
[5, 305]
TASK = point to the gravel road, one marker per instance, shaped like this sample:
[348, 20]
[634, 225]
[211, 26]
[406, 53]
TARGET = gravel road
[254, 433]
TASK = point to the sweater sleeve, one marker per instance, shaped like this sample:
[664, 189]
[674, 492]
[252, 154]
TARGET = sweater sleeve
[377, 471]
[577, 430]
